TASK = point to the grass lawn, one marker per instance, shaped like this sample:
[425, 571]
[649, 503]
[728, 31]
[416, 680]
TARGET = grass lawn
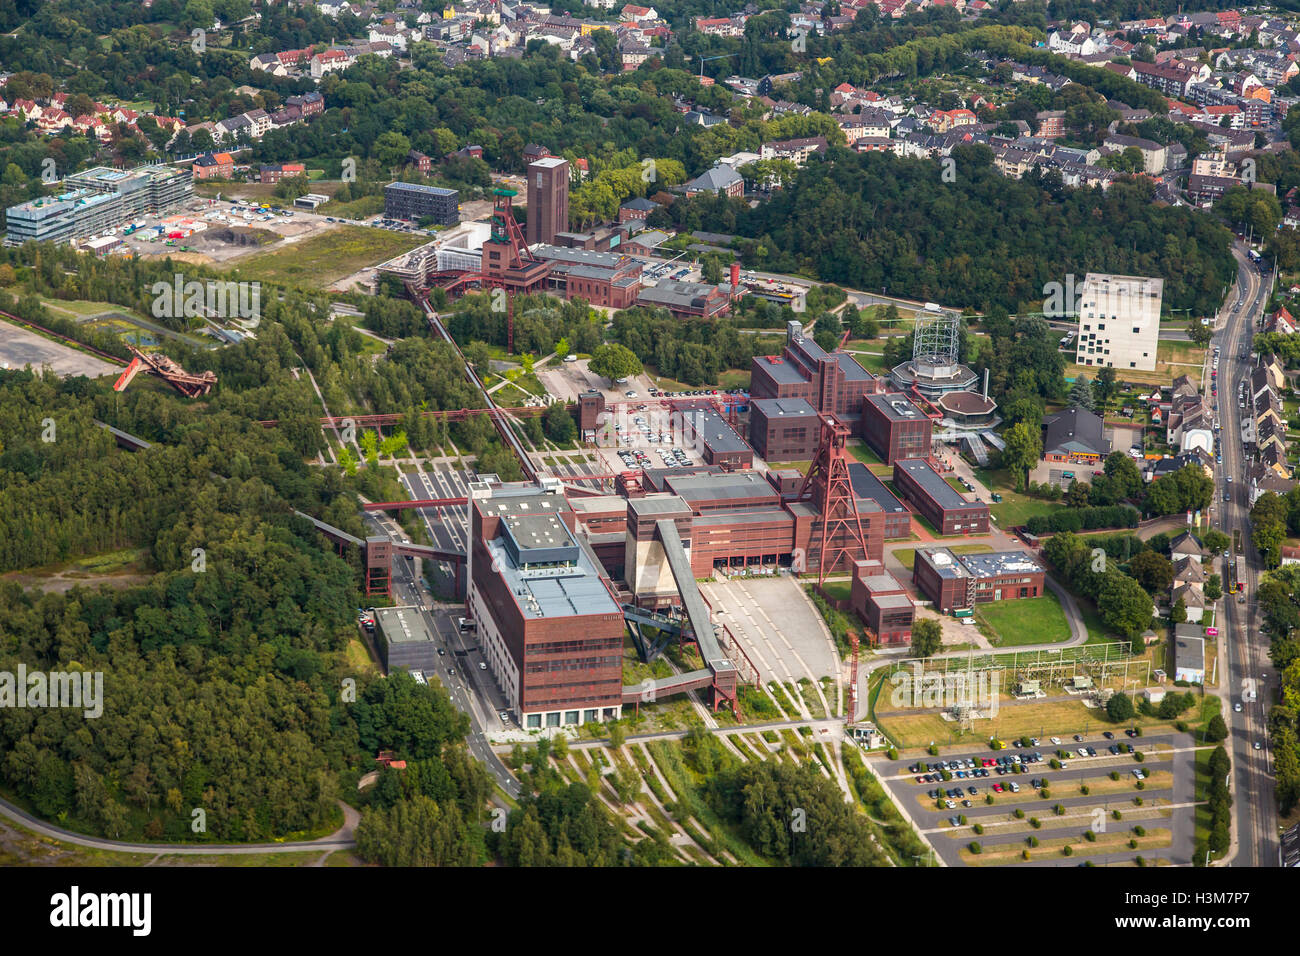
[1015, 508]
[1025, 621]
[1037, 719]
[838, 590]
[872, 362]
[864, 454]
[1172, 359]
[356, 209]
[327, 257]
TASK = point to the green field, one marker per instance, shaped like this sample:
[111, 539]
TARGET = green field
[1015, 509]
[327, 257]
[1039, 620]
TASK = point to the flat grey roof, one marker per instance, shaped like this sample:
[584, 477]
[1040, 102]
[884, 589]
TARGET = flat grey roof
[881, 582]
[1189, 652]
[421, 188]
[1000, 562]
[896, 407]
[892, 600]
[868, 486]
[521, 500]
[933, 484]
[770, 513]
[598, 503]
[942, 561]
[777, 407]
[714, 430]
[745, 484]
[402, 625]
[782, 371]
[658, 505]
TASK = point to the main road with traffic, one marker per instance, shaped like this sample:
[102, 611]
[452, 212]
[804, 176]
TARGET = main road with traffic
[1249, 681]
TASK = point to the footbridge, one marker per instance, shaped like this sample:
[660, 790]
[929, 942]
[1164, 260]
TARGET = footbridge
[719, 673]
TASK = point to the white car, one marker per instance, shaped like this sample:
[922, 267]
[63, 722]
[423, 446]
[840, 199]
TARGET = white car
[1237, 707]
[482, 666]
[1056, 741]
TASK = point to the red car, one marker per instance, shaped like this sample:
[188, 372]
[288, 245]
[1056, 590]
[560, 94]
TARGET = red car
[997, 787]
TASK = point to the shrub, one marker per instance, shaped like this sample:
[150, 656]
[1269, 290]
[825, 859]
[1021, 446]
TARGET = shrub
[988, 798]
[1059, 810]
[979, 829]
[1116, 815]
[1139, 861]
[1032, 840]
[1139, 756]
[962, 819]
[1133, 845]
[1067, 850]
[1114, 775]
[1024, 854]
[1090, 836]
[891, 753]
[1141, 785]
[1018, 813]
[1035, 823]
[1140, 830]
[975, 848]
[933, 751]
[1045, 794]
[1137, 801]
[1084, 789]
[1054, 764]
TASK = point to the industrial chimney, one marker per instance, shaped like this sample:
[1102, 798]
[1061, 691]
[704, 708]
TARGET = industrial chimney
[986, 385]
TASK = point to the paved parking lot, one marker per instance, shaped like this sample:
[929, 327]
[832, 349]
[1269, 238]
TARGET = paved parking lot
[20, 347]
[1004, 833]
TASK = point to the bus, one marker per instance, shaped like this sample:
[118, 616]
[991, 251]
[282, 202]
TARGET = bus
[1253, 256]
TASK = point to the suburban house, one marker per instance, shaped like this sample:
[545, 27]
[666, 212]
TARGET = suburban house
[1075, 434]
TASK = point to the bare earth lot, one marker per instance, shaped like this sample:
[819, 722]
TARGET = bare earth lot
[20, 347]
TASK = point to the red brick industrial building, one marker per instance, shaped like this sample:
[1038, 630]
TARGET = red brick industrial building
[894, 427]
[832, 383]
[937, 501]
[956, 583]
[882, 602]
[784, 429]
[548, 622]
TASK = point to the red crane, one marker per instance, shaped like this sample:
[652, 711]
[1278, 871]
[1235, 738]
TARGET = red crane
[188, 384]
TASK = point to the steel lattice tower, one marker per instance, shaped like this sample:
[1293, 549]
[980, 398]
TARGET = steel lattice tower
[936, 340]
[828, 484]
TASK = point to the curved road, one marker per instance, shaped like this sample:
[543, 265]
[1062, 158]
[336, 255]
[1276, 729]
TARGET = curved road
[340, 839]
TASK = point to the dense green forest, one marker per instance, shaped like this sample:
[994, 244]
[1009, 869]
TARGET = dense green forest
[873, 221]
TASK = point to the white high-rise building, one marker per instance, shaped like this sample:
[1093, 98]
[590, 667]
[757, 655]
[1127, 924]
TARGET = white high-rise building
[1119, 321]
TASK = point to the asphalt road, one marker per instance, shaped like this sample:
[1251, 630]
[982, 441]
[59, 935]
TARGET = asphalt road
[468, 685]
[1254, 806]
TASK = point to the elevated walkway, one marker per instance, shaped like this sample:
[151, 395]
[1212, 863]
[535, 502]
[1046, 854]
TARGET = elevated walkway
[331, 532]
[719, 672]
[125, 439]
[994, 440]
[976, 447]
